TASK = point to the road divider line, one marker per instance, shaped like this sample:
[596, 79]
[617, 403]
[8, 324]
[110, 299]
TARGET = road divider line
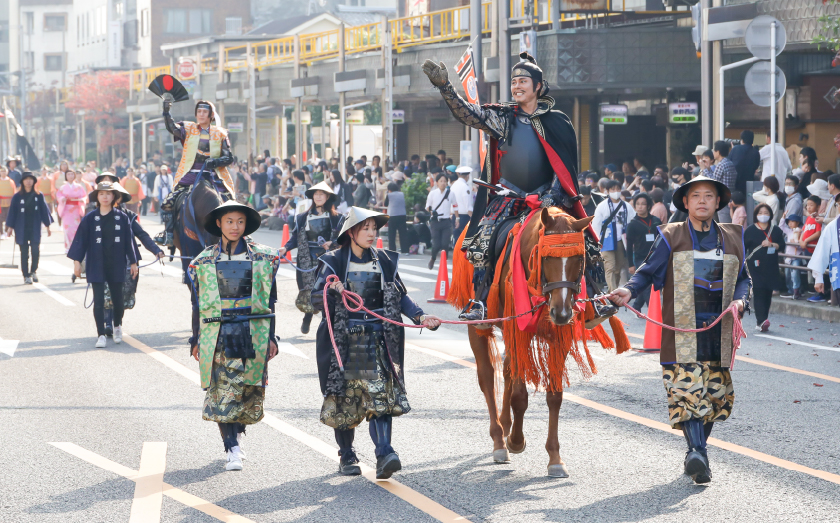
[797, 342]
[177, 494]
[396, 488]
[148, 487]
[54, 295]
[732, 447]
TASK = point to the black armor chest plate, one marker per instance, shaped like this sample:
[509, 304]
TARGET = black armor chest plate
[234, 277]
[523, 159]
[708, 285]
[318, 228]
[367, 284]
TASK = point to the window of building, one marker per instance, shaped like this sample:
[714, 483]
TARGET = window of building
[28, 60]
[55, 22]
[144, 22]
[192, 21]
[28, 23]
[53, 62]
[233, 25]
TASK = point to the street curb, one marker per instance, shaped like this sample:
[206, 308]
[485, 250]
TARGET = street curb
[802, 309]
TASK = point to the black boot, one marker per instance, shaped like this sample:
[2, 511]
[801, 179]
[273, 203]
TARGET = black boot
[109, 322]
[307, 320]
[166, 237]
[696, 459]
[475, 310]
[348, 465]
[387, 460]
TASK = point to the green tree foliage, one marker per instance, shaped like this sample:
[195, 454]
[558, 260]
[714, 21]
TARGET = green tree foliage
[829, 35]
[416, 189]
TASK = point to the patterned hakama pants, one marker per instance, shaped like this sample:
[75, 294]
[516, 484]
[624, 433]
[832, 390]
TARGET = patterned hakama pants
[697, 391]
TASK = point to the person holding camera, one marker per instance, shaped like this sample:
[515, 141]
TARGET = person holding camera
[439, 204]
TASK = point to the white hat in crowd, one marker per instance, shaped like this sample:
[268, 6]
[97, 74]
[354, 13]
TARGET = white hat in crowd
[819, 189]
[699, 150]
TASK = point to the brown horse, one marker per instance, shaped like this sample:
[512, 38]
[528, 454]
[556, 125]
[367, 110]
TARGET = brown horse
[537, 359]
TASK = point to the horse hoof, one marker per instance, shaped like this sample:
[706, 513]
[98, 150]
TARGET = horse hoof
[501, 456]
[515, 451]
[558, 471]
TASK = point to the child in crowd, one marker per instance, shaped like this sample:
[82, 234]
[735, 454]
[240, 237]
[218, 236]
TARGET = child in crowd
[812, 229]
[738, 209]
[791, 227]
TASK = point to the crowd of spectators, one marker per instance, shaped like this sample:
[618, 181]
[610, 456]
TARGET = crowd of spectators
[791, 213]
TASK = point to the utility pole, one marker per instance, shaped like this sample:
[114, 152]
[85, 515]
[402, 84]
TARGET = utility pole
[252, 105]
[706, 118]
[387, 95]
[298, 104]
[342, 139]
[504, 51]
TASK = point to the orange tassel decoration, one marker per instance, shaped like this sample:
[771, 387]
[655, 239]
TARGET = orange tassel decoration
[461, 291]
[621, 342]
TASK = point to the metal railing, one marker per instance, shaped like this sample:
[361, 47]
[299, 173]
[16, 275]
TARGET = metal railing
[437, 26]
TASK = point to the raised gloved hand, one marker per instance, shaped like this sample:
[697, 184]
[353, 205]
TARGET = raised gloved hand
[437, 73]
[210, 164]
[167, 105]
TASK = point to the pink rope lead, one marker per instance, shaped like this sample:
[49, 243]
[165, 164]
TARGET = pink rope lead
[355, 303]
[737, 328]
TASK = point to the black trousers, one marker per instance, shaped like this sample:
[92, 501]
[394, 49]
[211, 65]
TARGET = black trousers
[29, 246]
[441, 235]
[117, 301]
[397, 223]
[761, 303]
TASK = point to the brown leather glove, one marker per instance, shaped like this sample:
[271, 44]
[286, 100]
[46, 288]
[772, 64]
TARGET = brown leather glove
[437, 73]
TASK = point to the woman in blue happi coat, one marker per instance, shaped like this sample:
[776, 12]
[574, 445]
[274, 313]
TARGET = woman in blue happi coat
[27, 212]
[106, 241]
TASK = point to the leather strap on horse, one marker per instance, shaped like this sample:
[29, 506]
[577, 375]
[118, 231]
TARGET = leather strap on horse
[553, 245]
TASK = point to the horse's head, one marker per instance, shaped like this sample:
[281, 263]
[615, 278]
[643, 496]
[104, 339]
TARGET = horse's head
[561, 250]
[205, 198]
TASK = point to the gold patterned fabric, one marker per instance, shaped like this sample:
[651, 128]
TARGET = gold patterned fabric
[697, 391]
[228, 398]
[366, 399]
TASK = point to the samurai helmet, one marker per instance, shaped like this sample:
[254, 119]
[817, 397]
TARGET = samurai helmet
[357, 215]
[528, 67]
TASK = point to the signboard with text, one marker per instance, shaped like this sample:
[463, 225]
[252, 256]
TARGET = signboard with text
[398, 116]
[236, 127]
[683, 112]
[615, 114]
[354, 116]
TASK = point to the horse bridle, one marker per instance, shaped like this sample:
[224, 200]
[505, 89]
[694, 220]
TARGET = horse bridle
[547, 287]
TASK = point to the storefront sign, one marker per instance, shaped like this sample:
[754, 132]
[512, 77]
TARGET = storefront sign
[613, 114]
[682, 112]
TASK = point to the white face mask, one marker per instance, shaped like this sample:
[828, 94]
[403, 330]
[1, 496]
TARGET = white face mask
[675, 185]
[673, 207]
[763, 218]
[789, 190]
[615, 195]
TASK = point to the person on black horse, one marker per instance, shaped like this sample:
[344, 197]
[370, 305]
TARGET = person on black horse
[531, 163]
[315, 232]
[206, 148]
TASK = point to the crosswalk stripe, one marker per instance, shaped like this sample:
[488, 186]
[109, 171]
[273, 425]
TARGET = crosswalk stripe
[148, 493]
[52, 294]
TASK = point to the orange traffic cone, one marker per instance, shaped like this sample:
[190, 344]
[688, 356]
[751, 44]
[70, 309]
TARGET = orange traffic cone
[442, 285]
[285, 239]
[379, 243]
[653, 332]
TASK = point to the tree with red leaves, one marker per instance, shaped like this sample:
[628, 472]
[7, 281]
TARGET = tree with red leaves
[102, 96]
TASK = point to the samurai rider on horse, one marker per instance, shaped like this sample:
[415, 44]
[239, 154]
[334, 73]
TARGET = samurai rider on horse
[206, 149]
[531, 163]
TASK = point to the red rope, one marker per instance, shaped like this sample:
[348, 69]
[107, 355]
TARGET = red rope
[355, 303]
[737, 328]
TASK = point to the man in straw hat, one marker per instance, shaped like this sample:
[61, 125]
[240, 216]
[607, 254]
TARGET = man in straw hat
[699, 266]
[233, 295]
[27, 212]
[105, 243]
[371, 386]
[532, 162]
[315, 232]
[206, 148]
[13, 163]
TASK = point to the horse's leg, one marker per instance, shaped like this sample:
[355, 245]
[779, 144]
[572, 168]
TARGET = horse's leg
[518, 404]
[486, 381]
[505, 418]
[556, 467]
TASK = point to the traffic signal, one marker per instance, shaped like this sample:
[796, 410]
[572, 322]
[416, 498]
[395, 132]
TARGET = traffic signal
[697, 25]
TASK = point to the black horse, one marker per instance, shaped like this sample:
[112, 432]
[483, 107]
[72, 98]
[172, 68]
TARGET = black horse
[189, 235]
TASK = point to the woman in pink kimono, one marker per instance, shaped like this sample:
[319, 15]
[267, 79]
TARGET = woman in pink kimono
[72, 197]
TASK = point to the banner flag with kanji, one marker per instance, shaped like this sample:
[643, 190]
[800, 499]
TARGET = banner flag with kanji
[466, 73]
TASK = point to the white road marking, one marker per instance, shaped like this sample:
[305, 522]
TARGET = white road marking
[8, 347]
[53, 267]
[148, 487]
[406, 267]
[288, 348]
[169, 270]
[284, 272]
[11, 272]
[797, 342]
[52, 294]
[416, 279]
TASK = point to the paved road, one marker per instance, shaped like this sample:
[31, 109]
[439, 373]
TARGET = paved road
[84, 429]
